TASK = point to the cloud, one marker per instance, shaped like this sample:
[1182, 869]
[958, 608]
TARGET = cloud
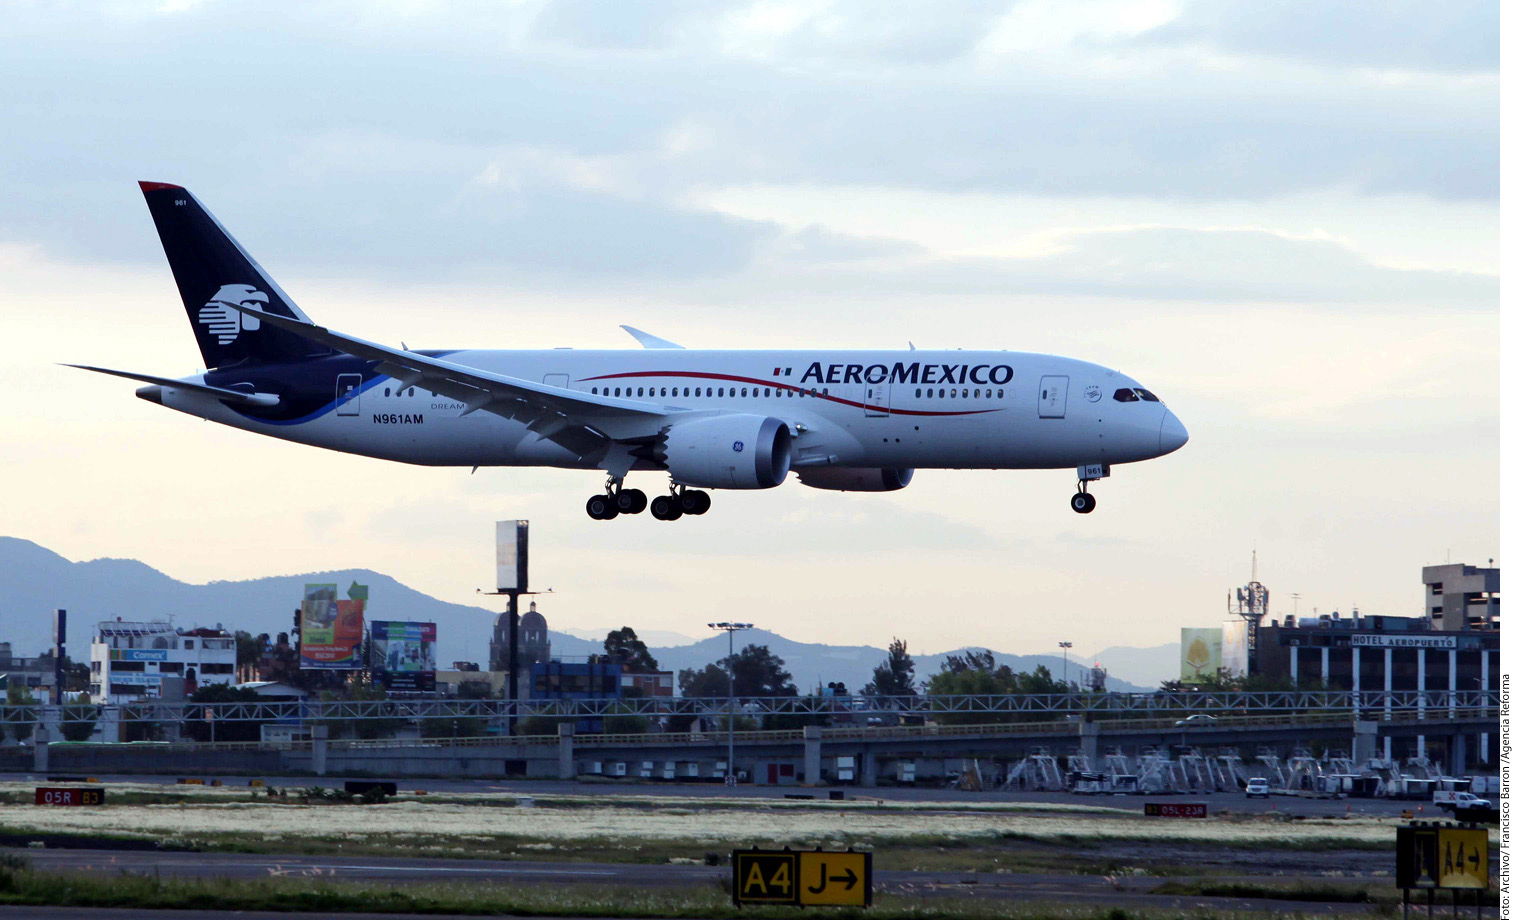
[351, 119]
[1458, 36]
[1172, 263]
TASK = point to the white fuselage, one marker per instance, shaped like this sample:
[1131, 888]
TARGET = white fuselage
[902, 409]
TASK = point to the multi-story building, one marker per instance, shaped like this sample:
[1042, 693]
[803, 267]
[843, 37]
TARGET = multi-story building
[1405, 655]
[1461, 596]
[130, 661]
[35, 674]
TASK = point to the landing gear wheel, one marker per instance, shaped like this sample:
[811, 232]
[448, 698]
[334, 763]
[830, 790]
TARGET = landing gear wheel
[601, 507]
[694, 501]
[1083, 502]
[666, 508]
[631, 501]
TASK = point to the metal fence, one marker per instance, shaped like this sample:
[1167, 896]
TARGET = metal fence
[833, 710]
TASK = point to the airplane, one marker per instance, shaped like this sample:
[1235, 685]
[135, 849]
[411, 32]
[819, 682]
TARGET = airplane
[861, 421]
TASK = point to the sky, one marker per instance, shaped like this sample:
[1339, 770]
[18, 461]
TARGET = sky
[1281, 217]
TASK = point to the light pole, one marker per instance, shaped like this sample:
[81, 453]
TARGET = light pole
[730, 629]
[1065, 646]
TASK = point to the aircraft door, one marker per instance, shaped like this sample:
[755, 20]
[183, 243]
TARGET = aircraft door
[1054, 397]
[876, 399]
[556, 380]
[348, 388]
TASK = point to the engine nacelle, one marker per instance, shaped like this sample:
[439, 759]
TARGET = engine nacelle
[729, 452]
[856, 479]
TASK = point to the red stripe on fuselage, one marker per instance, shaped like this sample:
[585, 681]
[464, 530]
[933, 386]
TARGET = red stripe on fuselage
[783, 386]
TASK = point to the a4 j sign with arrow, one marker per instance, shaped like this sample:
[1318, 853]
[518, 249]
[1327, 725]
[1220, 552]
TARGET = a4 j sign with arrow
[803, 877]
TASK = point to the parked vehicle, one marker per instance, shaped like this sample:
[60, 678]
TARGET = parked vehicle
[1451, 801]
[1258, 786]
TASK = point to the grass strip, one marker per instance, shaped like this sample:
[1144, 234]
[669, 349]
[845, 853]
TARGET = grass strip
[311, 895]
[1324, 893]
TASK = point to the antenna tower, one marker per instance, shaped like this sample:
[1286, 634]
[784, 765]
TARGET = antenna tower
[1251, 604]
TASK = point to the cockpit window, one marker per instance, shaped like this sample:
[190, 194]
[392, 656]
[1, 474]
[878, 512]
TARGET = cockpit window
[1133, 394]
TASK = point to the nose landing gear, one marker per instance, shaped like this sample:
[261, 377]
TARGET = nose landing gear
[1083, 502]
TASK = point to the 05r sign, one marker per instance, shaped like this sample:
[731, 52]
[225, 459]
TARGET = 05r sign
[58, 795]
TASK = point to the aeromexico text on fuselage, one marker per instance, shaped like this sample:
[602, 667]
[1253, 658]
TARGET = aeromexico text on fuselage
[913, 372]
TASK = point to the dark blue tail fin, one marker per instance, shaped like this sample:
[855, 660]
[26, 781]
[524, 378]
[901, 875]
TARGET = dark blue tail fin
[213, 272]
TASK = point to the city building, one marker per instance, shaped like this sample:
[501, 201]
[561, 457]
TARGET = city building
[130, 661]
[534, 646]
[598, 678]
[647, 683]
[1461, 596]
[35, 674]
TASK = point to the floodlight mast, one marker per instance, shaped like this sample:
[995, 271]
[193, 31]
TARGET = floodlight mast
[730, 629]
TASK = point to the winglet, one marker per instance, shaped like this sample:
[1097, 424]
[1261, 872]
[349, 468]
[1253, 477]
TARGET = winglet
[649, 340]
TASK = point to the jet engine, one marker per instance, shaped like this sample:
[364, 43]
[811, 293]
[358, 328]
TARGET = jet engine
[856, 479]
[729, 452]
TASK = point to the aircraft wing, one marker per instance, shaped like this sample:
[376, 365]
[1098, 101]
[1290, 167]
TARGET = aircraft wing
[580, 422]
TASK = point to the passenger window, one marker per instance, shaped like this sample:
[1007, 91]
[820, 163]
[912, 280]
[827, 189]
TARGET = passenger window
[386, 391]
[618, 391]
[1001, 394]
[744, 391]
[412, 391]
[975, 394]
[686, 391]
[917, 392]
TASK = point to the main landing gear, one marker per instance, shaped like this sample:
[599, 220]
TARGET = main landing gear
[618, 501]
[678, 502]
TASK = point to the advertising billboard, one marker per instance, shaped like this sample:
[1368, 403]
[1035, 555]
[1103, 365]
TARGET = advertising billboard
[403, 656]
[331, 629]
[510, 555]
[1199, 653]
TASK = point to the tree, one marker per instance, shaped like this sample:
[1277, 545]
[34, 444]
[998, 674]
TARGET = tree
[17, 695]
[250, 651]
[78, 720]
[708, 681]
[896, 676]
[199, 728]
[758, 672]
[623, 646]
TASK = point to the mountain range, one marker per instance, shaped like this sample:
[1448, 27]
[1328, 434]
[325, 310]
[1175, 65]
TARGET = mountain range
[34, 581]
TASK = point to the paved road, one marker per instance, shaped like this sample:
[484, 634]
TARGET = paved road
[1085, 890]
[1230, 801]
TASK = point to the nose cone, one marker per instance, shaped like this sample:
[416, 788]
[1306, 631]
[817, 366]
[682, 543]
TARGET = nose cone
[1172, 435]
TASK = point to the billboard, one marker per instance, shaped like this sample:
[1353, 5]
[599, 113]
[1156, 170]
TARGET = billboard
[510, 556]
[331, 629]
[403, 656]
[1198, 653]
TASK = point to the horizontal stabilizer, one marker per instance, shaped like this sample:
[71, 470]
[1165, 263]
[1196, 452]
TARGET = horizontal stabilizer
[232, 396]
